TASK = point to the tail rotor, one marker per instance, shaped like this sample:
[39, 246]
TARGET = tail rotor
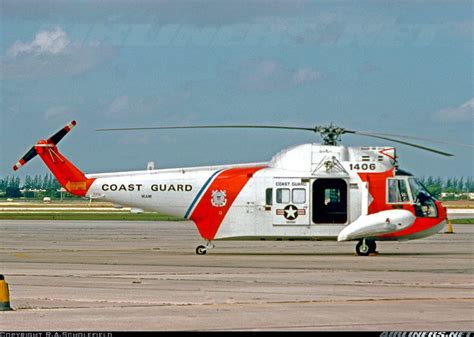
[51, 142]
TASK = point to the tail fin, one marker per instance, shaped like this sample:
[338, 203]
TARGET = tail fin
[69, 176]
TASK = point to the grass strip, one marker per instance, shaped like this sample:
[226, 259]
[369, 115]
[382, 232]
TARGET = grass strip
[469, 221]
[88, 216]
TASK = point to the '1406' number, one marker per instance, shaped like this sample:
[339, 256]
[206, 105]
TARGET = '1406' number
[363, 167]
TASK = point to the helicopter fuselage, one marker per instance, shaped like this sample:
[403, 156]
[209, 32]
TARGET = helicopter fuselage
[307, 192]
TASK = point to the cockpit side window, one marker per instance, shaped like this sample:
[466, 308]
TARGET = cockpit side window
[397, 191]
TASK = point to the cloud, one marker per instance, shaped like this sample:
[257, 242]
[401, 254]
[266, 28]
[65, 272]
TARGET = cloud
[463, 113]
[369, 68]
[124, 106]
[271, 74]
[177, 106]
[303, 75]
[51, 54]
[56, 111]
[119, 107]
[45, 42]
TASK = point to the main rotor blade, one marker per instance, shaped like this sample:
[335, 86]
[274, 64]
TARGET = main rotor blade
[315, 129]
[209, 127]
[419, 138]
[402, 142]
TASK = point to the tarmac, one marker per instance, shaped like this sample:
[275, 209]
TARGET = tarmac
[117, 275]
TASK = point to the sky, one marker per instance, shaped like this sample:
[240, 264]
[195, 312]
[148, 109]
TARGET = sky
[401, 67]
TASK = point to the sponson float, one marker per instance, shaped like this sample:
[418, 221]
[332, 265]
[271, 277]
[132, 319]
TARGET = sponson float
[307, 192]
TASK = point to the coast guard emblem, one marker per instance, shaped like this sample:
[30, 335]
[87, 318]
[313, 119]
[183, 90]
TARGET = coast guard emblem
[218, 198]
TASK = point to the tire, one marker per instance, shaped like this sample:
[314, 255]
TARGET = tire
[372, 246]
[201, 250]
[362, 249]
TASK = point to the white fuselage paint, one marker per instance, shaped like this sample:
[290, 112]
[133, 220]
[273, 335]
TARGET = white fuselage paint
[176, 192]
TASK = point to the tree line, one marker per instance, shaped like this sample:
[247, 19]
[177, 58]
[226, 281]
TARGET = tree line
[38, 182]
[47, 185]
[38, 186]
[451, 185]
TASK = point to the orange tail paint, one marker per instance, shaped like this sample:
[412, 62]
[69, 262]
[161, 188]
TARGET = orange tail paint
[69, 176]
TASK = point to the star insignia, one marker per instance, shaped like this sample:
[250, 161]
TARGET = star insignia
[291, 212]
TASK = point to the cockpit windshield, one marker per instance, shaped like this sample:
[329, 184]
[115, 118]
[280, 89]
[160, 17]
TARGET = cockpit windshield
[417, 188]
[408, 190]
[424, 201]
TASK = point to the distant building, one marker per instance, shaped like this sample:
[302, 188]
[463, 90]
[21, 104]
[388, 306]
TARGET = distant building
[457, 196]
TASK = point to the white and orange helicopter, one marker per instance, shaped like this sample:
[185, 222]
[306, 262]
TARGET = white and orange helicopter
[306, 192]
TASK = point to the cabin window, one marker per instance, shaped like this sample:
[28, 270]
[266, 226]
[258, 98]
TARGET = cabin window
[298, 195]
[329, 201]
[332, 196]
[269, 196]
[397, 191]
[283, 195]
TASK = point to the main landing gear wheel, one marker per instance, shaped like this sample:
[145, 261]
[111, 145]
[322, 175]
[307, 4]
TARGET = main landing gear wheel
[366, 247]
[201, 250]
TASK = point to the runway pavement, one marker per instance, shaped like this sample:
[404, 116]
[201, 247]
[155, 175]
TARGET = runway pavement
[111, 275]
[461, 213]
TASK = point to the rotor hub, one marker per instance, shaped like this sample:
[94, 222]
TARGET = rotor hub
[331, 135]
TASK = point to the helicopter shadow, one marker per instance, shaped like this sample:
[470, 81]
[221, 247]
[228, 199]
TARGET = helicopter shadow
[337, 254]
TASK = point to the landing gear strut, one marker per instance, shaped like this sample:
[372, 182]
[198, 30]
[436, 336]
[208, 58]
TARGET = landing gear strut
[201, 250]
[365, 247]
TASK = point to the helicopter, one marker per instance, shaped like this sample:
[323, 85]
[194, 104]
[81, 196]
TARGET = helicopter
[313, 191]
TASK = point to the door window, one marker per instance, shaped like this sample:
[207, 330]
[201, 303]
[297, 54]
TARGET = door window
[298, 195]
[283, 195]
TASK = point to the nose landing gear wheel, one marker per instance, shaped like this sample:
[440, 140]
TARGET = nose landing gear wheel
[366, 247]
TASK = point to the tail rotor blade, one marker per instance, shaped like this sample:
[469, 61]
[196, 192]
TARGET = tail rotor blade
[26, 158]
[56, 138]
[53, 140]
